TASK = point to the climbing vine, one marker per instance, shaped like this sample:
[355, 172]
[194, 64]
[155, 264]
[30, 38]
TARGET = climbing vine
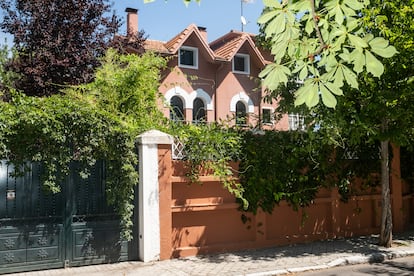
[86, 123]
[212, 148]
[294, 165]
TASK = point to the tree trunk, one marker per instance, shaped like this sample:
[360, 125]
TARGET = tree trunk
[386, 216]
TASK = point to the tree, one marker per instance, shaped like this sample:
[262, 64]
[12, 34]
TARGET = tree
[58, 42]
[392, 96]
[95, 121]
[321, 44]
[5, 76]
[381, 111]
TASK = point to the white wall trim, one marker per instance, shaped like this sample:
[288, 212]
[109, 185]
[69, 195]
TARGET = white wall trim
[188, 98]
[204, 96]
[148, 197]
[178, 91]
[244, 98]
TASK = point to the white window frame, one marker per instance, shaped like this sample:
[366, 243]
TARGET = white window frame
[246, 64]
[195, 57]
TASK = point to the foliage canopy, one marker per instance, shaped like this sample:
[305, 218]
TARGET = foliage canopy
[83, 126]
[322, 45]
[58, 43]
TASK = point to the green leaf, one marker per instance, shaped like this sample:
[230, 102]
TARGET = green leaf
[303, 73]
[309, 27]
[300, 96]
[385, 52]
[339, 16]
[328, 99]
[279, 49]
[272, 4]
[354, 4]
[312, 98]
[267, 16]
[276, 26]
[374, 66]
[357, 42]
[274, 74]
[378, 42]
[350, 76]
[302, 5]
[334, 88]
[358, 59]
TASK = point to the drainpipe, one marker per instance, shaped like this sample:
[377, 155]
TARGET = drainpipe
[215, 90]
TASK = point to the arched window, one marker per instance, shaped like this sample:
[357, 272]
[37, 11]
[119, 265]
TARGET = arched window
[199, 111]
[241, 113]
[177, 109]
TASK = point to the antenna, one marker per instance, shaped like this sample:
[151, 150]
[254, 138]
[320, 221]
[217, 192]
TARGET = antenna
[243, 21]
[242, 18]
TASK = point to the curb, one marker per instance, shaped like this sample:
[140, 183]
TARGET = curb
[377, 257]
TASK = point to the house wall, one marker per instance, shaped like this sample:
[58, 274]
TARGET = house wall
[205, 218]
[223, 86]
[179, 80]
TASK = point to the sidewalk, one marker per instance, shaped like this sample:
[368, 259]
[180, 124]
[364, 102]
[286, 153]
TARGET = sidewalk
[273, 261]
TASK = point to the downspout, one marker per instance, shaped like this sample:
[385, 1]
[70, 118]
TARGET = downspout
[215, 90]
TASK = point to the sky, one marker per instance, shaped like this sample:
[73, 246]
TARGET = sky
[162, 20]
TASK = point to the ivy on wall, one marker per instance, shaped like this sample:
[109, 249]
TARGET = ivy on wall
[101, 120]
[294, 165]
[211, 148]
[96, 121]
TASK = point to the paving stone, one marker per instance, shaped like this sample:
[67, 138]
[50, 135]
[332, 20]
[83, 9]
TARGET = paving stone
[270, 261]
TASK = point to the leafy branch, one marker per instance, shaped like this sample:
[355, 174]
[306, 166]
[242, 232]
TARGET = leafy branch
[322, 45]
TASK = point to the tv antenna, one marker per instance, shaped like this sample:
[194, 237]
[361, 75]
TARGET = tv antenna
[242, 18]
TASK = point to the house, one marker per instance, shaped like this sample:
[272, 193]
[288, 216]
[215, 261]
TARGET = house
[212, 81]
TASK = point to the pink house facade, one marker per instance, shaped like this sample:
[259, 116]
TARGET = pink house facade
[216, 81]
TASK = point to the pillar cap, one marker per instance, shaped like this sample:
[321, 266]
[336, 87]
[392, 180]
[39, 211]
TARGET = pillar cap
[155, 137]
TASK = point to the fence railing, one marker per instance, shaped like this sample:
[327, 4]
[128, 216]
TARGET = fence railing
[178, 149]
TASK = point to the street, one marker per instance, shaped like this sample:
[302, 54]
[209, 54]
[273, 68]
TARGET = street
[400, 267]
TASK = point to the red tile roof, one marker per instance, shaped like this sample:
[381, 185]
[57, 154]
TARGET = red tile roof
[223, 48]
[155, 45]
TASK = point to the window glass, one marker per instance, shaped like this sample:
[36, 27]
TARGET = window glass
[188, 57]
[177, 109]
[266, 116]
[241, 113]
[239, 64]
[199, 111]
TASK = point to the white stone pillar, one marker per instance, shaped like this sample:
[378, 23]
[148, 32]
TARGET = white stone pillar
[148, 197]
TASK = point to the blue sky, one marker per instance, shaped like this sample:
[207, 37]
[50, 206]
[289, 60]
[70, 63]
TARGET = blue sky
[162, 20]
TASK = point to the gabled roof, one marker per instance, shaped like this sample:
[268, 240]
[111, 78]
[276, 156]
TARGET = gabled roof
[156, 45]
[227, 46]
[221, 49]
[172, 46]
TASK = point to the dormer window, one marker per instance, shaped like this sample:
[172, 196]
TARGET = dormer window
[188, 57]
[241, 64]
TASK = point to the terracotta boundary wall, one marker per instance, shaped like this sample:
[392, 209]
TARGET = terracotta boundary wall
[191, 219]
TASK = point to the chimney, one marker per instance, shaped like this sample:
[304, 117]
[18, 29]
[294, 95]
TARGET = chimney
[132, 21]
[203, 31]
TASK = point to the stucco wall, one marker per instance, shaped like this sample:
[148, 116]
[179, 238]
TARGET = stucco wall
[206, 218]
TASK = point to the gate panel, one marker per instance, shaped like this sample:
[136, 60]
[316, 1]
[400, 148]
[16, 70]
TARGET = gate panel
[94, 229]
[31, 228]
[40, 230]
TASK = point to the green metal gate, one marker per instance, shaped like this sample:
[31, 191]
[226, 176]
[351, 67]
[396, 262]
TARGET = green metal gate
[40, 230]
